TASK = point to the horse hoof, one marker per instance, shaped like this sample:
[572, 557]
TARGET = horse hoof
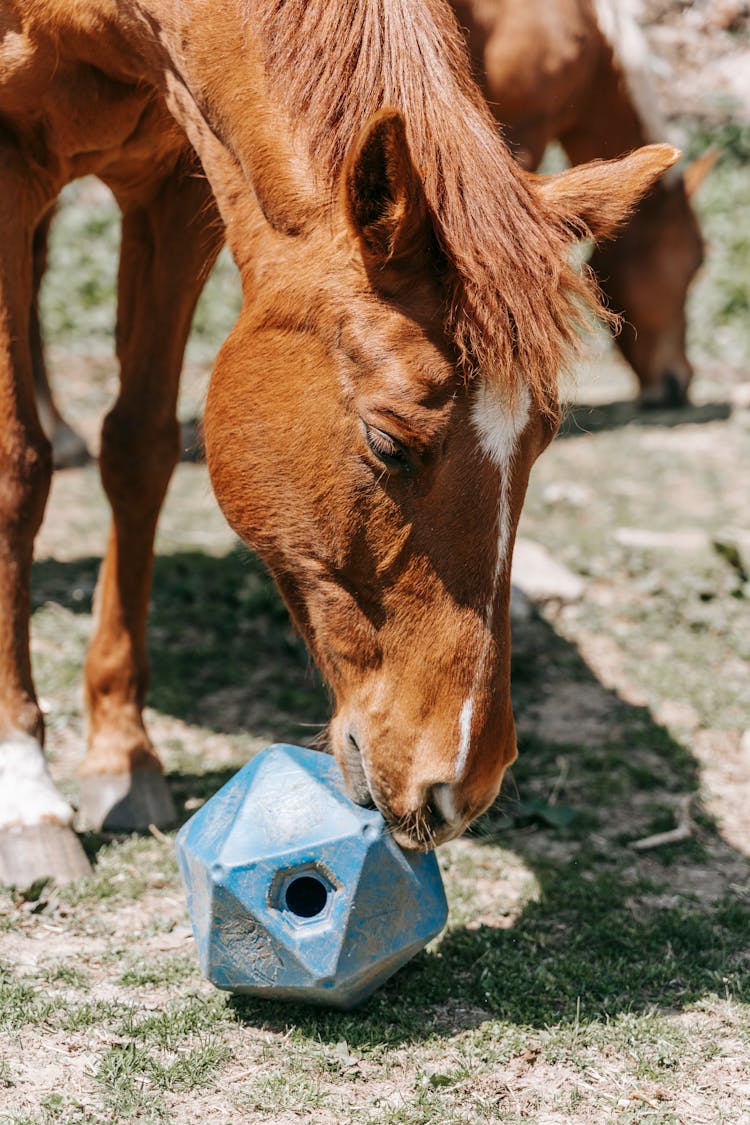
[69, 450]
[670, 394]
[41, 851]
[125, 802]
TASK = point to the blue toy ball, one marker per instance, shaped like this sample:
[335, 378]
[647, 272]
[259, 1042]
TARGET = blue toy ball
[295, 892]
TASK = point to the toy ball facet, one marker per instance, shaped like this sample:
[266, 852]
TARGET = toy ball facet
[295, 892]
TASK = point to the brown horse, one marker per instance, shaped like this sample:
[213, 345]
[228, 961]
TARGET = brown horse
[578, 71]
[409, 298]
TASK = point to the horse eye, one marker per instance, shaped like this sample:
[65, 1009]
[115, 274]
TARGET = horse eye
[391, 452]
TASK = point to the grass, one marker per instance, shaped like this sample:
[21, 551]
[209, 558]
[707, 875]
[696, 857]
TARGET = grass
[579, 980]
[604, 953]
[79, 292]
[217, 626]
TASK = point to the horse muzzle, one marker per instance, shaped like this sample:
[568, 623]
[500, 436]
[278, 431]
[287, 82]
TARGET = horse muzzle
[433, 816]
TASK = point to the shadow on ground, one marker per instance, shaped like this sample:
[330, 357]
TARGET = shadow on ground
[582, 418]
[223, 652]
[611, 931]
[607, 934]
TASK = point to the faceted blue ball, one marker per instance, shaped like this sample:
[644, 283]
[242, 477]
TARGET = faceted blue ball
[295, 892]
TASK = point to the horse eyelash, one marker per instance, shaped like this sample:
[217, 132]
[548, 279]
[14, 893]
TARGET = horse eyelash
[381, 442]
[387, 449]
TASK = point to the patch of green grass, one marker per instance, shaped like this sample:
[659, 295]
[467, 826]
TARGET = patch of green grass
[127, 1066]
[275, 1093]
[167, 971]
[422, 1106]
[22, 1004]
[74, 1017]
[646, 1038]
[124, 871]
[79, 293]
[126, 1075]
[58, 1108]
[66, 973]
[169, 1051]
[191, 1015]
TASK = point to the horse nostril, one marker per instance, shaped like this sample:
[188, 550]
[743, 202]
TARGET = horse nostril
[357, 784]
[441, 800]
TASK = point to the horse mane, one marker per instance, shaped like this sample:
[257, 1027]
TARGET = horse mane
[516, 302]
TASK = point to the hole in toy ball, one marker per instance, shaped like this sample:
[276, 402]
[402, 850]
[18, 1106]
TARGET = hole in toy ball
[306, 896]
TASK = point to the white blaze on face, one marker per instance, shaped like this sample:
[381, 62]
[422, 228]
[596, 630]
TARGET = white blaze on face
[499, 426]
[27, 793]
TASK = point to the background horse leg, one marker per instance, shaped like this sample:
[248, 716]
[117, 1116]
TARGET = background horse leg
[169, 243]
[35, 834]
[646, 269]
[68, 448]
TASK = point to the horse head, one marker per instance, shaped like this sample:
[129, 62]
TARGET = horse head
[381, 476]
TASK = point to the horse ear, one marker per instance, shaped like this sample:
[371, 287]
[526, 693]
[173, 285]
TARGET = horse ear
[697, 170]
[383, 197]
[594, 199]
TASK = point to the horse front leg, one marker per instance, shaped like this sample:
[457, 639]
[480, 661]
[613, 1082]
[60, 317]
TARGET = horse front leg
[169, 243]
[68, 447]
[36, 838]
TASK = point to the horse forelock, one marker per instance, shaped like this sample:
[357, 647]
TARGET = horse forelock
[515, 302]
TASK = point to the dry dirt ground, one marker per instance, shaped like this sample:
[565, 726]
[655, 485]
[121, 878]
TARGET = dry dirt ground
[583, 978]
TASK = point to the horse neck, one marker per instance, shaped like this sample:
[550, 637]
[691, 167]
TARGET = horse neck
[622, 104]
[205, 61]
[609, 124]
